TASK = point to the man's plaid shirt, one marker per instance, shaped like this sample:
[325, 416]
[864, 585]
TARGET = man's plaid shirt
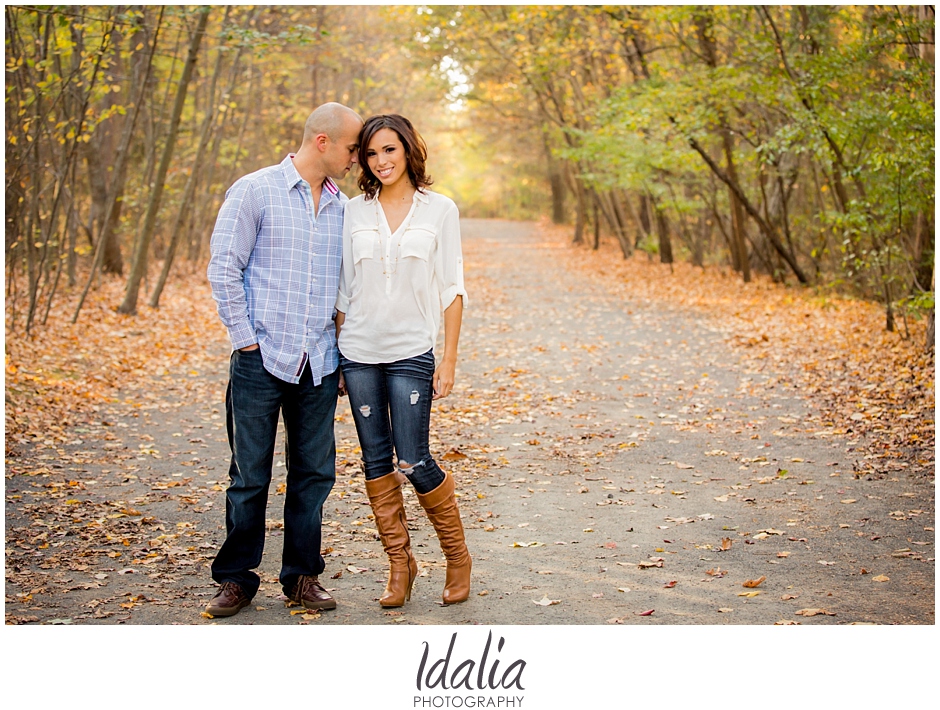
[274, 269]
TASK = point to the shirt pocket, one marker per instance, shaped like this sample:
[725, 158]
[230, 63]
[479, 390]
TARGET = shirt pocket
[363, 244]
[417, 243]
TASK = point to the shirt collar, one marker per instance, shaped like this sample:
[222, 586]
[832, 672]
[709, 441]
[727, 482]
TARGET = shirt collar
[293, 177]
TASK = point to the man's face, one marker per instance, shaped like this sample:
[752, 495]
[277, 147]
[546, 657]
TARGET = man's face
[342, 153]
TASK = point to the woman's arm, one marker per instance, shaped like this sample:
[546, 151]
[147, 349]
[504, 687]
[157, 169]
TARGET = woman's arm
[339, 320]
[445, 372]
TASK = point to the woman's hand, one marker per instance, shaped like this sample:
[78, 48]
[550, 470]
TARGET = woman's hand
[444, 379]
[342, 384]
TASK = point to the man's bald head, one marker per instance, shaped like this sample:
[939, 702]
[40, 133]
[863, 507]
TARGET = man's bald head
[331, 119]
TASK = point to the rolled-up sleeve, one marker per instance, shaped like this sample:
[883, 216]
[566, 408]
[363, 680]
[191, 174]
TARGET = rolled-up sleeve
[449, 262]
[233, 239]
[346, 272]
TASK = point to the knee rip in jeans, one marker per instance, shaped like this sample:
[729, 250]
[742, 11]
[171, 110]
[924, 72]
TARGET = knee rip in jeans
[365, 410]
[404, 467]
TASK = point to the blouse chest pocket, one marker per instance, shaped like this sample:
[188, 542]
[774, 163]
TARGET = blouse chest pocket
[363, 244]
[417, 243]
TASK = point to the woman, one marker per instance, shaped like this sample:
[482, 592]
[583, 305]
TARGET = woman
[402, 265]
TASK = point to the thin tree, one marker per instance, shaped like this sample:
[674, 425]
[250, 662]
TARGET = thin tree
[119, 170]
[139, 266]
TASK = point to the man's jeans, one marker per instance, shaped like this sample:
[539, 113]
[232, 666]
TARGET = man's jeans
[252, 403]
[391, 404]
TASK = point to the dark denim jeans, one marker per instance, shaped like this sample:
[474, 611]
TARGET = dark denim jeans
[253, 401]
[391, 405]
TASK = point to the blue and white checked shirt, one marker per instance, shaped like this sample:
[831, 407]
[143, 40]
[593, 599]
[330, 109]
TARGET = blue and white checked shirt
[274, 269]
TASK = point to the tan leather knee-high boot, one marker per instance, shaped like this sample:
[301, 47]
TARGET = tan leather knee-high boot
[441, 507]
[389, 509]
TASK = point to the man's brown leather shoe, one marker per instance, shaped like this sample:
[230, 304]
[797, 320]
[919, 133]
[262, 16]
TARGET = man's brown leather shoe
[230, 600]
[309, 592]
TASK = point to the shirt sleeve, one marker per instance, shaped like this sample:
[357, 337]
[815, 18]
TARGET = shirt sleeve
[346, 271]
[449, 260]
[233, 239]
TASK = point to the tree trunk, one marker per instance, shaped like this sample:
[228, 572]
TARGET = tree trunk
[597, 225]
[189, 192]
[662, 231]
[643, 214]
[139, 266]
[557, 182]
[119, 168]
[581, 214]
[606, 200]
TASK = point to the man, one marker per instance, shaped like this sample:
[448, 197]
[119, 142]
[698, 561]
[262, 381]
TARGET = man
[275, 260]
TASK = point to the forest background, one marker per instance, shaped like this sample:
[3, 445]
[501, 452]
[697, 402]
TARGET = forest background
[789, 143]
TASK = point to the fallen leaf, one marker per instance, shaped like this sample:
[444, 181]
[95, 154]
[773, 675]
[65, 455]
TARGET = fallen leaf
[881, 578]
[454, 455]
[651, 563]
[814, 612]
[670, 585]
[545, 601]
[748, 594]
[725, 544]
[786, 622]
[783, 554]
[646, 613]
[752, 583]
[788, 597]
[725, 610]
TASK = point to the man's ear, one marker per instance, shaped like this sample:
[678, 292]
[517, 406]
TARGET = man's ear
[321, 140]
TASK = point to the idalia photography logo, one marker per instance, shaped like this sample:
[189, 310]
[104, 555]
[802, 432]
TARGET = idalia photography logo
[467, 678]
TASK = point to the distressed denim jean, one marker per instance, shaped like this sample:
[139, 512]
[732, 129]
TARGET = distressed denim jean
[253, 402]
[391, 405]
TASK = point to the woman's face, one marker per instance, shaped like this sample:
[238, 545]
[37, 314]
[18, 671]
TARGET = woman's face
[386, 157]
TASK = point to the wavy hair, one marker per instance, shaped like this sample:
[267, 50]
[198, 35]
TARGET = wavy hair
[416, 152]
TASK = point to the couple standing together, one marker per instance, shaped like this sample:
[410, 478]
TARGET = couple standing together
[322, 296]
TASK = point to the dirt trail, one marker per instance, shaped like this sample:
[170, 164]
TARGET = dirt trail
[605, 453]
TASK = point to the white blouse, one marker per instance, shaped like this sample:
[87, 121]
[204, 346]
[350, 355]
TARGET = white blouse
[394, 287]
